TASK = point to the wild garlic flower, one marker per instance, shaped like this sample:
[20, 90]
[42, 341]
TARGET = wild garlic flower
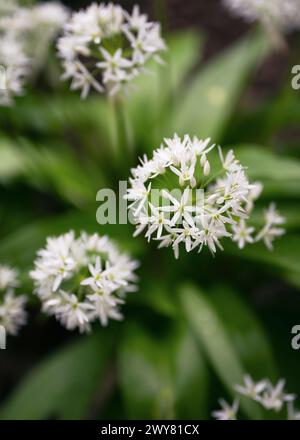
[277, 14]
[25, 37]
[12, 306]
[189, 194]
[274, 397]
[271, 398]
[227, 412]
[80, 280]
[104, 47]
[251, 388]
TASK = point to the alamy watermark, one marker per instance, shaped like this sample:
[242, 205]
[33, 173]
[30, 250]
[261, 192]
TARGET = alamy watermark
[295, 342]
[296, 77]
[2, 338]
[114, 206]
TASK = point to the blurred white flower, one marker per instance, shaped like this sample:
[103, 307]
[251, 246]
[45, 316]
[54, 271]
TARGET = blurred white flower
[227, 412]
[112, 45]
[271, 230]
[183, 196]
[25, 37]
[250, 388]
[274, 397]
[14, 68]
[283, 15]
[271, 398]
[82, 279]
[242, 233]
[8, 277]
[12, 306]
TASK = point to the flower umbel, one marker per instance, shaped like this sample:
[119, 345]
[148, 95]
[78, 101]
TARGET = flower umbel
[104, 47]
[189, 194]
[83, 279]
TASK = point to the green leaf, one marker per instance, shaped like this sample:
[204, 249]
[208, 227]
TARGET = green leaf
[62, 385]
[263, 164]
[148, 106]
[162, 377]
[206, 106]
[184, 51]
[11, 162]
[213, 335]
[285, 257]
[246, 333]
[279, 174]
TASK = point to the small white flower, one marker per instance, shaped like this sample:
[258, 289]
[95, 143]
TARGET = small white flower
[227, 412]
[271, 230]
[250, 388]
[106, 307]
[90, 38]
[181, 209]
[74, 314]
[136, 20]
[242, 233]
[271, 398]
[115, 69]
[65, 290]
[275, 397]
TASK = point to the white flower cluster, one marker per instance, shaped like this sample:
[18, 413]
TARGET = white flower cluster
[104, 47]
[278, 14]
[271, 398]
[187, 194]
[83, 279]
[25, 35]
[12, 306]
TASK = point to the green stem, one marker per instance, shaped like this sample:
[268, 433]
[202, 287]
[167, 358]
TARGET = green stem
[121, 133]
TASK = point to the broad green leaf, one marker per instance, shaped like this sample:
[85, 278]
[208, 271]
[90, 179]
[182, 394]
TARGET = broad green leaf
[162, 377]
[184, 51]
[63, 385]
[246, 333]
[204, 319]
[206, 106]
[285, 257]
[265, 165]
[11, 161]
